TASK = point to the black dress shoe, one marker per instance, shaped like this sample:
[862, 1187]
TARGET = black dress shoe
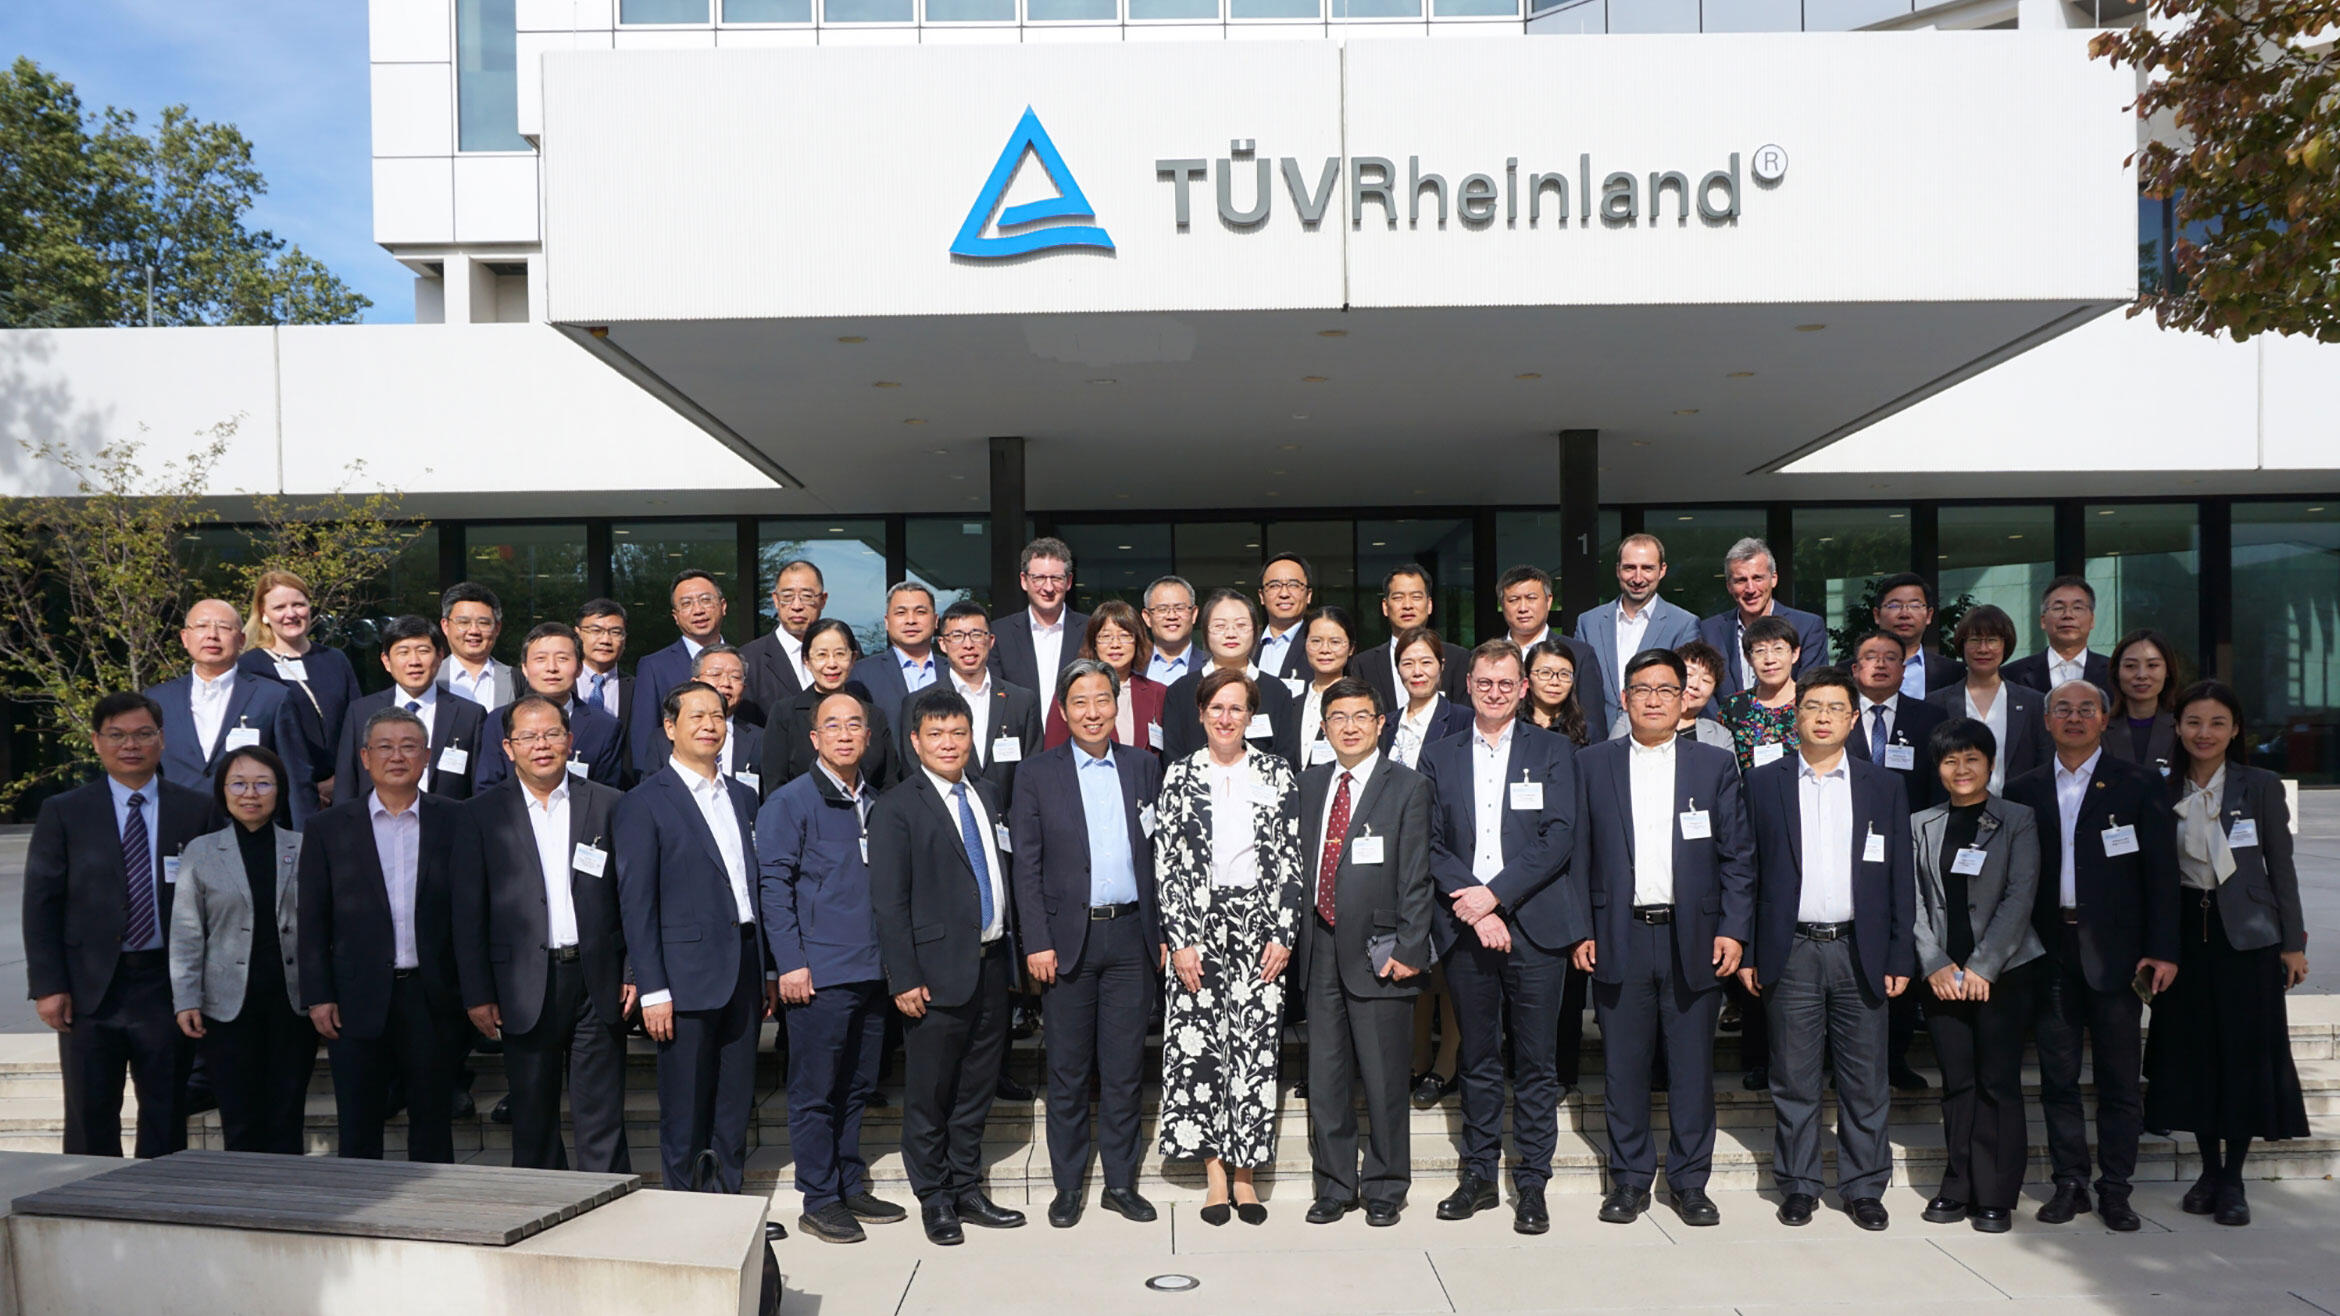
[1065, 1210]
[1797, 1208]
[1528, 1215]
[1325, 1210]
[465, 1107]
[1944, 1211]
[941, 1218]
[1867, 1212]
[2202, 1198]
[871, 1210]
[1251, 1213]
[1300, 1090]
[502, 1113]
[1129, 1206]
[1475, 1195]
[1905, 1079]
[832, 1224]
[1757, 1079]
[2070, 1200]
[2232, 1207]
[1695, 1207]
[1010, 1090]
[1990, 1220]
[976, 1209]
[1623, 1206]
[2118, 1215]
[1216, 1214]
[877, 1098]
[1432, 1089]
[1381, 1215]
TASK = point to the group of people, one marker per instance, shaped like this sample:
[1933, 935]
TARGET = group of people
[1224, 813]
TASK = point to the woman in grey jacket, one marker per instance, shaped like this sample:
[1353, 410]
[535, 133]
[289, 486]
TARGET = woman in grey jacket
[1977, 873]
[232, 947]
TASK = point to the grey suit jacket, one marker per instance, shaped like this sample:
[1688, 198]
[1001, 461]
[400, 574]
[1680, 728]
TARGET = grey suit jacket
[2259, 904]
[1395, 897]
[1670, 627]
[1998, 899]
[211, 923]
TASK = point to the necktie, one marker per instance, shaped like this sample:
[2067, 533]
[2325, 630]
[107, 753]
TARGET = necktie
[1877, 734]
[414, 706]
[978, 853]
[593, 695]
[138, 925]
[1336, 836]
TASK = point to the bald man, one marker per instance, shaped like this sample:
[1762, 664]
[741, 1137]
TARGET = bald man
[213, 709]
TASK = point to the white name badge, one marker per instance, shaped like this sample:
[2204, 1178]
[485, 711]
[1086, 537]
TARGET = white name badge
[454, 761]
[291, 669]
[591, 860]
[1527, 795]
[1154, 734]
[1771, 753]
[1873, 850]
[1320, 752]
[1295, 684]
[1901, 758]
[1148, 820]
[1968, 862]
[239, 737]
[2243, 835]
[2121, 840]
[1260, 729]
[1007, 749]
[170, 869]
[1264, 795]
[1365, 850]
[1697, 825]
[1006, 846]
[576, 767]
[750, 780]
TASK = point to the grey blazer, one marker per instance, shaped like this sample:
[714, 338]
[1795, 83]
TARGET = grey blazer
[211, 923]
[1998, 899]
[2259, 904]
[1706, 732]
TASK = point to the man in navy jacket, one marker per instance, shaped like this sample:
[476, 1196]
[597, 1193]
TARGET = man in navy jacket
[215, 708]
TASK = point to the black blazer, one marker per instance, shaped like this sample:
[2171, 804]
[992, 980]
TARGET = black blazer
[771, 681]
[1537, 843]
[1015, 714]
[2032, 670]
[456, 723]
[1452, 718]
[922, 890]
[788, 751]
[76, 889]
[318, 702]
[1182, 728]
[2129, 903]
[1373, 666]
[1914, 721]
[1295, 665]
[1049, 822]
[2259, 904]
[674, 899]
[747, 759]
[1014, 659]
[261, 706]
[594, 736]
[1884, 892]
[1714, 876]
[1395, 897]
[502, 923]
[2161, 747]
[2027, 745]
[348, 947]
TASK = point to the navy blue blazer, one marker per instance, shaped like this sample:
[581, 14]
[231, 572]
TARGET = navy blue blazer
[922, 889]
[1714, 877]
[348, 942]
[318, 702]
[812, 883]
[1049, 823]
[1914, 721]
[2128, 903]
[1014, 658]
[1722, 631]
[260, 705]
[594, 736]
[881, 674]
[1884, 891]
[682, 925]
[456, 723]
[76, 898]
[646, 748]
[1452, 718]
[1537, 843]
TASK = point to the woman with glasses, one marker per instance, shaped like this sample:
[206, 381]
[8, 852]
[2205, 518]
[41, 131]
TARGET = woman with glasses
[1762, 719]
[2015, 714]
[277, 647]
[1228, 859]
[1428, 714]
[233, 950]
[1117, 639]
[1551, 701]
[1328, 639]
[2145, 677]
[1230, 629]
[829, 653]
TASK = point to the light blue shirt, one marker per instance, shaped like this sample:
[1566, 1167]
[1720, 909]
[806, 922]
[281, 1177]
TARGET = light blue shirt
[1913, 674]
[1112, 869]
[1166, 669]
[1274, 649]
[152, 791]
[917, 673]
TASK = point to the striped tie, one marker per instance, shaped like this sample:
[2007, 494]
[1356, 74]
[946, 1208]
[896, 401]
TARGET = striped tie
[139, 926]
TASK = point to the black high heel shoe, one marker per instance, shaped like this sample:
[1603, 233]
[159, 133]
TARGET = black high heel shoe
[1251, 1213]
[1217, 1213]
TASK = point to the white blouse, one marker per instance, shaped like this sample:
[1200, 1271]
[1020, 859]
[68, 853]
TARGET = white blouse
[1234, 831]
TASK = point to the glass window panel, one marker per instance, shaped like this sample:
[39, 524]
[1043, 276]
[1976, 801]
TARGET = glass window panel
[963, 11]
[1845, 15]
[643, 559]
[1144, 10]
[1569, 16]
[1751, 16]
[950, 555]
[2287, 635]
[661, 11]
[1278, 8]
[536, 571]
[1216, 553]
[2003, 555]
[1475, 8]
[866, 11]
[1057, 11]
[1341, 9]
[1533, 538]
[2144, 562]
[1331, 550]
[767, 11]
[1839, 552]
[852, 557]
[410, 584]
[487, 84]
[1442, 546]
[1115, 561]
[1653, 15]
[1696, 539]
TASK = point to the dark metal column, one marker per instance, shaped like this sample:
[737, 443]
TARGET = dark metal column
[1580, 523]
[2215, 552]
[1007, 520]
[2071, 537]
[1486, 570]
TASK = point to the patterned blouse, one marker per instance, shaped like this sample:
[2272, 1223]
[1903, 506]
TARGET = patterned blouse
[1751, 724]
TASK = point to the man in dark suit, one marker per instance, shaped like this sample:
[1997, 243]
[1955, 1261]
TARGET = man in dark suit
[812, 852]
[2067, 613]
[1835, 901]
[1905, 611]
[1170, 620]
[1007, 720]
[1525, 594]
[97, 897]
[1286, 588]
[549, 660]
[377, 944]
[1752, 574]
[1035, 643]
[1502, 827]
[1406, 601]
[1668, 868]
[743, 757]
[411, 654]
[698, 612]
[2107, 911]
[908, 663]
[472, 619]
[1636, 621]
[1365, 831]
[686, 896]
[775, 662]
[539, 946]
[1896, 730]
[939, 890]
[601, 627]
[214, 708]
[1082, 824]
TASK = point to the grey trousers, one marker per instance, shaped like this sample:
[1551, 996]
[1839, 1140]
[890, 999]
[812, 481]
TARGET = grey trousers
[1819, 1004]
[1357, 1045]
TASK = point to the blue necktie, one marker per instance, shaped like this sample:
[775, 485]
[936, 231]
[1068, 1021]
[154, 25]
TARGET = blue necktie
[139, 924]
[978, 853]
[593, 696]
[1877, 734]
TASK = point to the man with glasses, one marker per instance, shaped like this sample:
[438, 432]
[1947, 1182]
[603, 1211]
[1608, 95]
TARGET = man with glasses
[1835, 903]
[775, 662]
[98, 881]
[1006, 724]
[1502, 829]
[472, 620]
[2108, 914]
[213, 709]
[412, 651]
[1752, 575]
[1407, 602]
[743, 759]
[548, 667]
[601, 625]
[907, 664]
[1170, 623]
[1905, 611]
[1636, 622]
[2067, 613]
[699, 607]
[1035, 643]
[1285, 590]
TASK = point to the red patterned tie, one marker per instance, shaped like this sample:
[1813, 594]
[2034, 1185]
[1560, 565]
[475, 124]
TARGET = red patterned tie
[1336, 835]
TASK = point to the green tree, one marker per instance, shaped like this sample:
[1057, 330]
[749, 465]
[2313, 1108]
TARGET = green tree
[92, 209]
[341, 544]
[2252, 88]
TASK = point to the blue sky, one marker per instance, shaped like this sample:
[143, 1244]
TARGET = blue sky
[291, 73]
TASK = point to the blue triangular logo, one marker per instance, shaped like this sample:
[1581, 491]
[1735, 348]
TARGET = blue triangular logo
[1068, 203]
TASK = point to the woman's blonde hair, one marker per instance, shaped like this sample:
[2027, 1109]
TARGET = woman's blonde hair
[258, 634]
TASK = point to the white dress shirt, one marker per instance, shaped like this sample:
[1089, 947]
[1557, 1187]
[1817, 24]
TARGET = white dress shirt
[985, 824]
[1165, 667]
[1630, 632]
[1650, 786]
[208, 700]
[1532, 641]
[792, 649]
[478, 687]
[978, 699]
[1406, 746]
[2062, 669]
[1869, 720]
[1996, 720]
[692, 648]
[2071, 793]
[549, 820]
[1488, 761]
[1048, 645]
[1824, 800]
[713, 796]
[398, 846]
[723, 755]
[1359, 776]
[1234, 827]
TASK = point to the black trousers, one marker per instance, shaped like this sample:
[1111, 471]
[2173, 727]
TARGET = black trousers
[1357, 1043]
[1980, 1047]
[132, 1032]
[1568, 1046]
[1902, 1016]
[569, 1036]
[950, 1072]
[1754, 1027]
[1097, 1029]
[1657, 1012]
[417, 1047]
[836, 1041]
[707, 1078]
[1523, 988]
[260, 1064]
[2068, 1007]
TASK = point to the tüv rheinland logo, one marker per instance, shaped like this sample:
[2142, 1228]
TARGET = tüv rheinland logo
[1068, 203]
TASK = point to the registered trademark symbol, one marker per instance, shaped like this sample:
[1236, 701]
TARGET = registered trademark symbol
[1769, 164]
